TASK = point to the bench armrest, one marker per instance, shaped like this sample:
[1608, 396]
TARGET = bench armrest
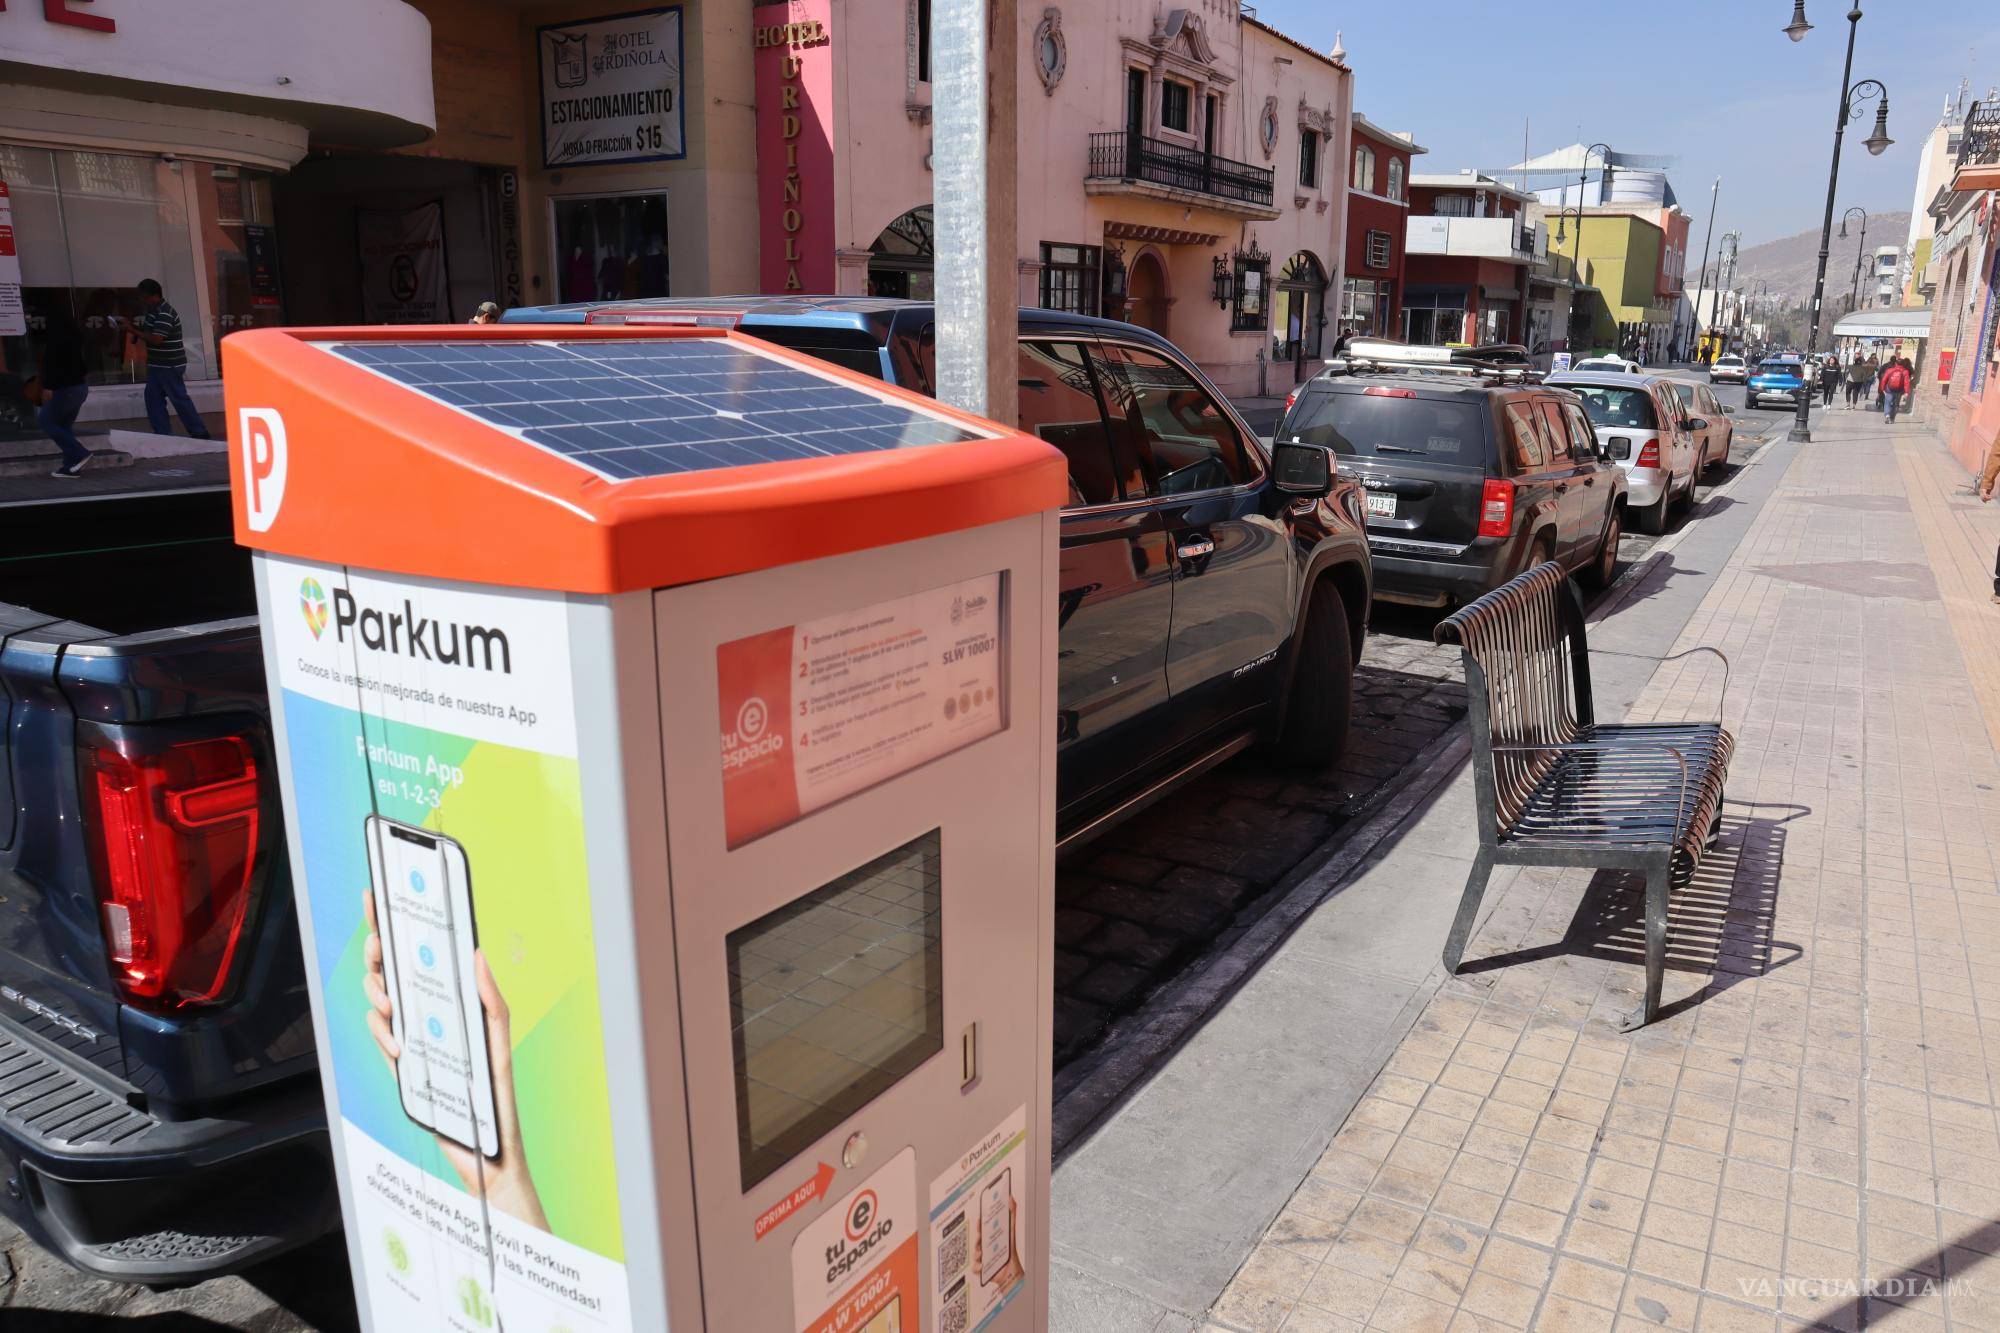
[1620, 747]
[1722, 701]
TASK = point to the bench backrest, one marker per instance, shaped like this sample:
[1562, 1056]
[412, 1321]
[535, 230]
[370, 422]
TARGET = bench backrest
[1527, 682]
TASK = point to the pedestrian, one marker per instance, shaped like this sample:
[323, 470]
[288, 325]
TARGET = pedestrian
[1989, 476]
[1895, 383]
[1860, 374]
[487, 313]
[1829, 380]
[64, 390]
[166, 363]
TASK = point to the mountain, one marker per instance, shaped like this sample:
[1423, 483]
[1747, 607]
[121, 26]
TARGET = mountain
[1787, 264]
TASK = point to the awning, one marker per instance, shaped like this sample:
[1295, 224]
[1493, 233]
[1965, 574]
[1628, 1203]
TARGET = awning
[1135, 231]
[1901, 322]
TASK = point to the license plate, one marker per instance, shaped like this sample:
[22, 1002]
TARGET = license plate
[1380, 505]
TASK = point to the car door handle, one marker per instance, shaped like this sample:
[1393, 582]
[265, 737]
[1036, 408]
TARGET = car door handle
[1194, 548]
[1562, 487]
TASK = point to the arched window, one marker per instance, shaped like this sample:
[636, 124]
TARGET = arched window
[1395, 178]
[1364, 168]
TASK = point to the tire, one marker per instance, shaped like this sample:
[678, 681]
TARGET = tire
[1322, 697]
[1605, 563]
[1749, 401]
[1543, 551]
[1653, 519]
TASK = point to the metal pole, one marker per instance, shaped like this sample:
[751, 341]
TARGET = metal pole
[1802, 424]
[1854, 290]
[1713, 191]
[973, 159]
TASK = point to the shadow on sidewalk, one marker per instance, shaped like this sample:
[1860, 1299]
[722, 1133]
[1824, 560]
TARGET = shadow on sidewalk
[1720, 924]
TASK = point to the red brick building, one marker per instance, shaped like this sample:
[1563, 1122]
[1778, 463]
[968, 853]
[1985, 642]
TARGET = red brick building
[1378, 208]
[1468, 251]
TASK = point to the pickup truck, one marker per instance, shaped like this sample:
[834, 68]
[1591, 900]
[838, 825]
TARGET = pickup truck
[161, 1118]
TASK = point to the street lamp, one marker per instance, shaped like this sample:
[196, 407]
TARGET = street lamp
[1854, 293]
[1851, 93]
[1713, 191]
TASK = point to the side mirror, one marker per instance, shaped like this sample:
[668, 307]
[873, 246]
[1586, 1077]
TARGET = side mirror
[1302, 470]
[1730, 410]
[1694, 423]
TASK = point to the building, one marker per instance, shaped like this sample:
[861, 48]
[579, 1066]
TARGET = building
[1934, 170]
[1468, 254]
[1965, 317]
[1884, 280]
[1378, 211]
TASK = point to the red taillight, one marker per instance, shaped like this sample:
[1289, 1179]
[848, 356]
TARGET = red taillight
[1291, 398]
[1385, 391]
[177, 844]
[1496, 508]
[1649, 454]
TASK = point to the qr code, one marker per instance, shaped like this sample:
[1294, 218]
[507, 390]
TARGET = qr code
[951, 1250]
[953, 1315]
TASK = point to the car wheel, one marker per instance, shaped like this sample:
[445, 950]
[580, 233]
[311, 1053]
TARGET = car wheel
[1601, 569]
[1749, 399]
[1653, 518]
[1543, 551]
[1322, 698]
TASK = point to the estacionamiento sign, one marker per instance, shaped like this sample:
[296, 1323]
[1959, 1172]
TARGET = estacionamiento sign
[611, 89]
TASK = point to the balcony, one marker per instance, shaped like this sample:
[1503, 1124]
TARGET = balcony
[1979, 151]
[1127, 163]
[1480, 238]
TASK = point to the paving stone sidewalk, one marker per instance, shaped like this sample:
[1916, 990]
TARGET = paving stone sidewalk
[1808, 1137]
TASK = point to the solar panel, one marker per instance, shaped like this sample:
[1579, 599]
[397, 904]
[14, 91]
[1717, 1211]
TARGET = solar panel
[647, 408]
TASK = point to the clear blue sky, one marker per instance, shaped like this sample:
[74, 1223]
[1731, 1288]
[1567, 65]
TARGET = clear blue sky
[1712, 83]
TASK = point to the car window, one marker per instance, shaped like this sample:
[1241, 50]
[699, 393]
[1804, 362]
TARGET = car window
[1525, 436]
[1581, 435]
[1685, 393]
[1059, 404]
[1190, 440]
[1389, 423]
[850, 349]
[1606, 405]
[1555, 436]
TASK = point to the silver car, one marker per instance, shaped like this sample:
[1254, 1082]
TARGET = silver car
[1729, 368]
[1642, 427]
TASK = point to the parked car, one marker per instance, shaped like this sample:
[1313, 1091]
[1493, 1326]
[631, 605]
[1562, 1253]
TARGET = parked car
[1782, 377]
[1616, 364]
[1211, 593]
[1703, 414]
[1729, 368]
[1638, 421]
[163, 1120]
[1469, 481]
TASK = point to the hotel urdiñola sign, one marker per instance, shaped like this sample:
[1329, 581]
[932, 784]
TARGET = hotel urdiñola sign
[794, 62]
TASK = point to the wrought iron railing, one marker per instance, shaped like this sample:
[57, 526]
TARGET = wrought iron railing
[1118, 155]
[1981, 144]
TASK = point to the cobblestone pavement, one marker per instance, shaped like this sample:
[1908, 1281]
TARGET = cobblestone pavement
[1808, 1136]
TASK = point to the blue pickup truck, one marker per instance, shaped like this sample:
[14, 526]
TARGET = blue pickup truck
[160, 1114]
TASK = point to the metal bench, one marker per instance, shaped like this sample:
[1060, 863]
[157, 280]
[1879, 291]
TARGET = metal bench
[1557, 788]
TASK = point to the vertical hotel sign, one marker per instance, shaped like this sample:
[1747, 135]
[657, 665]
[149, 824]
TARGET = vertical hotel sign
[13, 316]
[794, 58]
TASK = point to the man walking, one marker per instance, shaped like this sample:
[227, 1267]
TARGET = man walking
[166, 363]
[1895, 383]
[64, 387]
[1859, 374]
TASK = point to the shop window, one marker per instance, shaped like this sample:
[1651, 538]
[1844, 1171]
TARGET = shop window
[1493, 325]
[1364, 168]
[1364, 305]
[1309, 159]
[611, 248]
[241, 240]
[1378, 249]
[1175, 101]
[1246, 313]
[1069, 278]
[1434, 319]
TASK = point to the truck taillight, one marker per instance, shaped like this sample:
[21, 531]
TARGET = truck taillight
[1496, 507]
[1291, 398]
[176, 845]
[1649, 454]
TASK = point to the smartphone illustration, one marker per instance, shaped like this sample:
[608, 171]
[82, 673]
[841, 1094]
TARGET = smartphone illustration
[422, 885]
[996, 1235]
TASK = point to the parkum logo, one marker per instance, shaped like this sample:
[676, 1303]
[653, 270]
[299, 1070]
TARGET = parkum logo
[406, 633]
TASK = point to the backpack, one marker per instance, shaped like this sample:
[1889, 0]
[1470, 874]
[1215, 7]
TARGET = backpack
[1896, 378]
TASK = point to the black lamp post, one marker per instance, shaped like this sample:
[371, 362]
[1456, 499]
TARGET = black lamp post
[1854, 291]
[1708, 234]
[1850, 94]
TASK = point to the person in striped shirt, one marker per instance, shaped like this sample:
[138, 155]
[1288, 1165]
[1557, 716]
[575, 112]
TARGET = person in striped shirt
[166, 363]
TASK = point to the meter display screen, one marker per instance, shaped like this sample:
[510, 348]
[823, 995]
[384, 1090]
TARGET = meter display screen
[834, 997]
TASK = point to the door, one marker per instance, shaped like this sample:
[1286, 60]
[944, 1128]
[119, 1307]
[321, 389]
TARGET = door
[1233, 572]
[1573, 475]
[1146, 293]
[1684, 443]
[1115, 584]
[1135, 118]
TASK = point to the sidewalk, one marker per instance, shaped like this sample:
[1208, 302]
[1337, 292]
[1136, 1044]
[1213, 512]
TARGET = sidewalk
[1808, 1135]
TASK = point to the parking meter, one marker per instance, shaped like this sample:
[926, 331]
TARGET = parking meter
[665, 725]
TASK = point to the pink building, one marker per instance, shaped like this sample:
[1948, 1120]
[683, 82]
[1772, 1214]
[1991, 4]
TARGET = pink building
[1183, 168]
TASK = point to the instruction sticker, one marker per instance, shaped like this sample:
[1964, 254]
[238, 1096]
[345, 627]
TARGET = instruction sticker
[818, 711]
[976, 1229]
[854, 1269]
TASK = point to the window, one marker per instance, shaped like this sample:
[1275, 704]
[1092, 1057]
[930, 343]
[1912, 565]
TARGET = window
[1580, 434]
[1378, 249]
[1190, 441]
[1309, 159]
[1493, 324]
[833, 998]
[1058, 404]
[1525, 436]
[1452, 206]
[1358, 425]
[1069, 278]
[1364, 168]
[923, 41]
[1630, 408]
[1175, 99]
[612, 247]
[1555, 434]
[1252, 282]
[1396, 178]
[1364, 306]
[1433, 319]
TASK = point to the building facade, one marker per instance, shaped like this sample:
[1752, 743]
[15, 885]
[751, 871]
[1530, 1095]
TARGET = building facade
[1965, 317]
[1469, 251]
[1378, 211]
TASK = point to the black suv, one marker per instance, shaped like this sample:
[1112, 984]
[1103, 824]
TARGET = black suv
[1212, 592]
[1469, 481]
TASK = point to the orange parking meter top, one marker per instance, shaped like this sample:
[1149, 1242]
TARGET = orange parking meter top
[596, 458]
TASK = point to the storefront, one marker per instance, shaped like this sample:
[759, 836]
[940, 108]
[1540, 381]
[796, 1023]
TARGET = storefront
[129, 151]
